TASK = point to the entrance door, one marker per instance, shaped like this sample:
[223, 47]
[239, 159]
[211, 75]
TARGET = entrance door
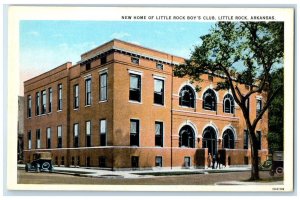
[210, 140]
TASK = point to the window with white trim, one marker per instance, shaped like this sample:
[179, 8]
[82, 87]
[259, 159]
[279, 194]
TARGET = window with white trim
[209, 100]
[159, 91]
[76, 134]
[29, 139]
[88, 133]
[44, 102]
[59, 103]
[103, 86]
[59, 136]
[134, 132]
[88, 91]
[38, 138]
[258, 106]
[76, 96]
[187, 97]
[135, 88]
[103, 132]
[50, 100]
[37, 103]
[228, 104]
[159, 134]
[48, 138]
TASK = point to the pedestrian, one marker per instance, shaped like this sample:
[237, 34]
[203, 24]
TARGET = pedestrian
[213, 161]
[209, 159]
[219, 161]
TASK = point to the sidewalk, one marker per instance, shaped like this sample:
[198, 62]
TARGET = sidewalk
[101, 173]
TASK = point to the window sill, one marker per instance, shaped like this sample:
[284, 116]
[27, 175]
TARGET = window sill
[76, 109]
[87, 106]
[159, 105]
[43, 114]
[135, 102]
[103, 101]
[59, 110]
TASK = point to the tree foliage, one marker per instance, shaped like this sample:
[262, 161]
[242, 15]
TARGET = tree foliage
[241, 53]
[276, 110]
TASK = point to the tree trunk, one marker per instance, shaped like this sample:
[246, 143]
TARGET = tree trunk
[254, 158]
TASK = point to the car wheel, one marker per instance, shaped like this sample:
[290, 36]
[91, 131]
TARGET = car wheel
[279, 170]
[46, 165]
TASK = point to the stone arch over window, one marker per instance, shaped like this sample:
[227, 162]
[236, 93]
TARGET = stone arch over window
[228, 139]
[187, 137]
[187, 96]
[228, 104]
[210, 100]
[209, 139]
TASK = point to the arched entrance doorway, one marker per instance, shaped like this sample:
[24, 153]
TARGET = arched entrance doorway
[187, 137]
[209, 140]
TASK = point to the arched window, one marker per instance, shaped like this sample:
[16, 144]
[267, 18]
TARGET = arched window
[228, 104]
[209, 140]
[186, 137]
[209, 100]
[228, 139]
[187, 97]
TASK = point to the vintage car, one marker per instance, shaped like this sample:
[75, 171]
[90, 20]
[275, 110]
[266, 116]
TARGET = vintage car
[42, 161]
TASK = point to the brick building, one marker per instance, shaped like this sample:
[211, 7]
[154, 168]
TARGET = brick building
[121, 107]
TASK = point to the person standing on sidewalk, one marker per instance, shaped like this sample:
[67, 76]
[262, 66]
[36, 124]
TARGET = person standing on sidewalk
[209, 159]
[213, 161]
[219, 161]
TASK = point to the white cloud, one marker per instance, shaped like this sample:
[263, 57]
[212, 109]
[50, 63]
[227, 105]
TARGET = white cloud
[120, 35]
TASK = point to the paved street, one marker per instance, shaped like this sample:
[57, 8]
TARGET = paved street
[112, 179]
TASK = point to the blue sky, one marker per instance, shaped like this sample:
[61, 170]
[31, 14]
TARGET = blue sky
[48, 44]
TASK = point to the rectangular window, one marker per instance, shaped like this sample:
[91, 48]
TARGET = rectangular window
[102, 161]
[134, 161]
[59, 137]
[88, 93]
[44, 101]
[103, 60]
[48, 138]
[29, 139]
[158, 161]
[103, 87]
[50, 100]
[76, 96]
[158, 91]
[258, 135]
[159, 66]
[246, 139]
[258, 106]
[134, 132]
[103, 132]
[87, 66]
[76, 133]
[187, 161]
[29, 106]
[135, 60]
[37, 103]
[159, 134]
[59, 103]
[38, 138]
[88, 133]
[135, 88]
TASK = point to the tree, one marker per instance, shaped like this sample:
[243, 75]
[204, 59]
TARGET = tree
[242, 53]
[275, 135]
